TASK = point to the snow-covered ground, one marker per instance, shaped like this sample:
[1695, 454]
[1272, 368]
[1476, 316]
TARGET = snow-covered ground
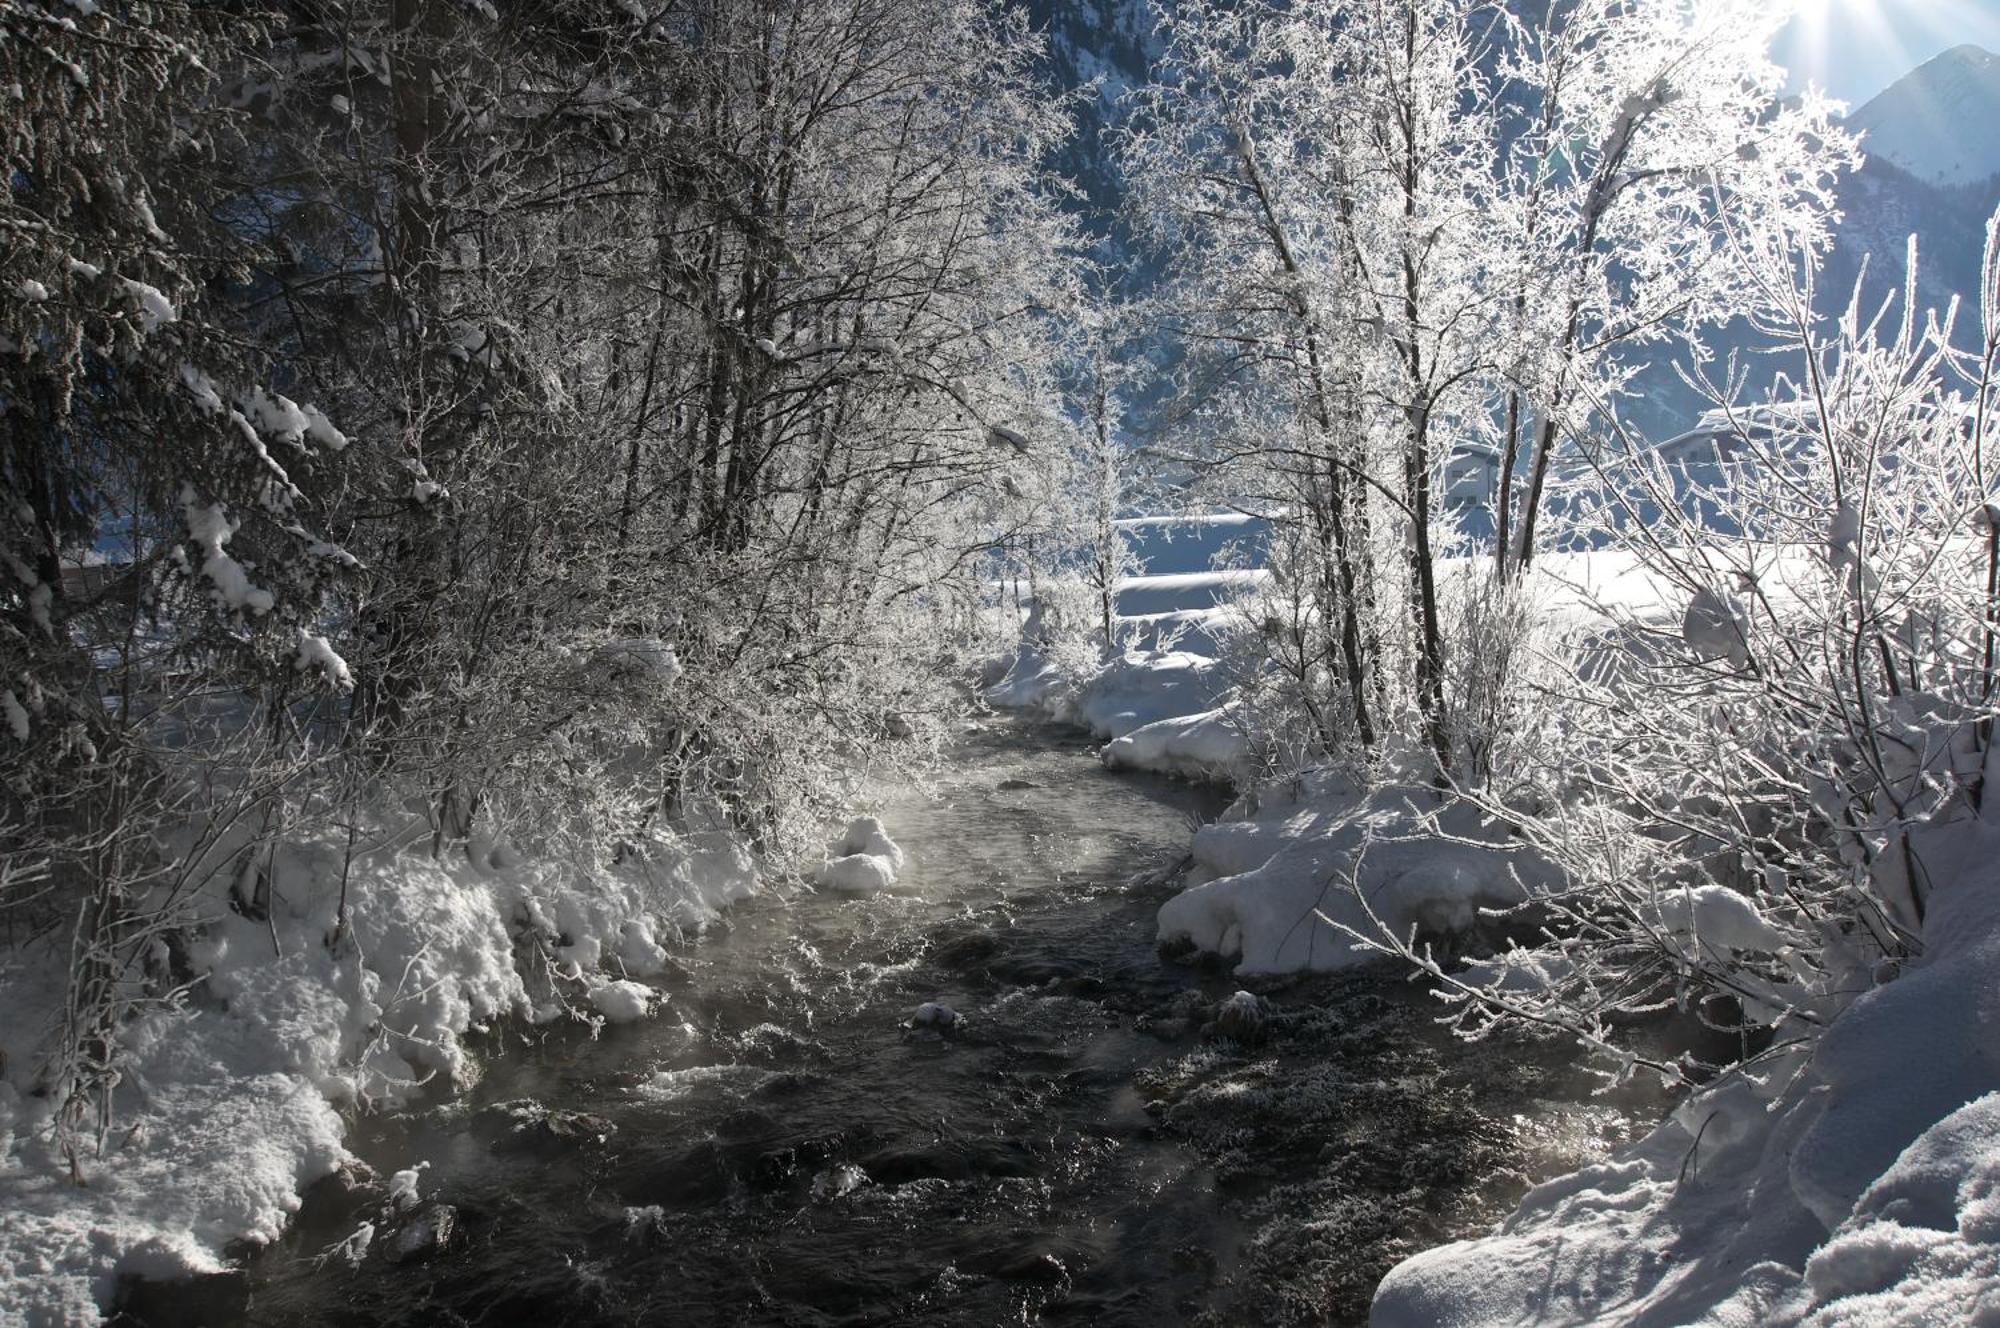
[1297, 861]
[232, 1099]
[1859, 1185]
[1161, 704]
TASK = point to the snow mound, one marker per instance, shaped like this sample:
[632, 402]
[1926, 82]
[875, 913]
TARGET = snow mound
[1145, 687]
[200, 1160]
[1137, 688]
[1028, 682]
[1279, 884]
[623, 1001]
[229, 1106]
[933, 1015]
[863, 861]
[1209, 745]
[1184, 590]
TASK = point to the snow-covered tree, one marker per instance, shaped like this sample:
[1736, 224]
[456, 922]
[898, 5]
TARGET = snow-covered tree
[1421, 240]
[1638, 144]
[1752, 780]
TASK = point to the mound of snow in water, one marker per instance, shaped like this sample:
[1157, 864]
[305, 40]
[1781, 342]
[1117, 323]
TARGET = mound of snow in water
[623, 1001]
[1029, 682]
[864, 861]
[1284, 879]
[1854, 1186]
[933, 1015]
[1210, 745]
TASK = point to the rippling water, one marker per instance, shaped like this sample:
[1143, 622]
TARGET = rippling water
[780, 1148]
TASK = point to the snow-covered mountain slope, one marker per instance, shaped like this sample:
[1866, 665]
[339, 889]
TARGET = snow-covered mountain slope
[1936, 122]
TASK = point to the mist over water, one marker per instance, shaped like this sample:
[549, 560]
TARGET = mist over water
[780, 1147]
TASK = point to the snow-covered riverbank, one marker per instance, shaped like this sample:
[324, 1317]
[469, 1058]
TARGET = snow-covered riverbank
[1847, 1180]
[234, 1096]
[1857, 1183]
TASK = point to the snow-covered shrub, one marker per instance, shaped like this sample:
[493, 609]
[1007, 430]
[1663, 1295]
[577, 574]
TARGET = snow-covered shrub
[1743, 794]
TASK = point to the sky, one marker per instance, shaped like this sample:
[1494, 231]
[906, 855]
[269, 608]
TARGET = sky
[1855, 48]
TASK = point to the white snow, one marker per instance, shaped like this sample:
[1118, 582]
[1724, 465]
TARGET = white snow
[1141, 688]
[1184, 590]
[211, 528]
[1856, 1187]
[1717, 625]
[864, 861]
[931, 1014]
[1717, 916]
[249, 434]
[1934, 121]
[320, 430]
[155, 309]
[315, 653]
[1290, 874]
[640, 657]
[277, 415]
[1208, 745]
[202, 388]
[623, 1001]
[31, 290]
[857, 875]
[17, 714]
[230, 1105]
[404, 1192]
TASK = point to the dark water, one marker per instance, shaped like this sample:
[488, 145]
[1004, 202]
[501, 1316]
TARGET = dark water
[780, 1148]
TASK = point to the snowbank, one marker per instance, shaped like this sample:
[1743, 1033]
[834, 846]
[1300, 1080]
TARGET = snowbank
[1138, 688]
[1141, 688]
[1193, 631]
[1859, 1187]
[1185, 590]
[231, 1099]
[1163, 545]
[1030, 682]
[1209, 745]
[1304, 853]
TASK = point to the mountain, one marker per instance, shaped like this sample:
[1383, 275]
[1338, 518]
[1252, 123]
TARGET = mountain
[1932, 168]
[1098, 51]
[1881, 206]
[1937, 121]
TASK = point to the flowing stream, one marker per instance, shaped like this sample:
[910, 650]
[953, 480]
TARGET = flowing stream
[781, 1147]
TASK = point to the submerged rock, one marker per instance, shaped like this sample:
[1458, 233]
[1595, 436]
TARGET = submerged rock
[214, 1298]
[431, 1228]
[526, 1126]
[952, 1160]
[839, 1182]
[937, 1017]
[962, 953]
[341, 1193]
[1242, 1018]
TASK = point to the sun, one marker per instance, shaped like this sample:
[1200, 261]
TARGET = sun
[1831, 43]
